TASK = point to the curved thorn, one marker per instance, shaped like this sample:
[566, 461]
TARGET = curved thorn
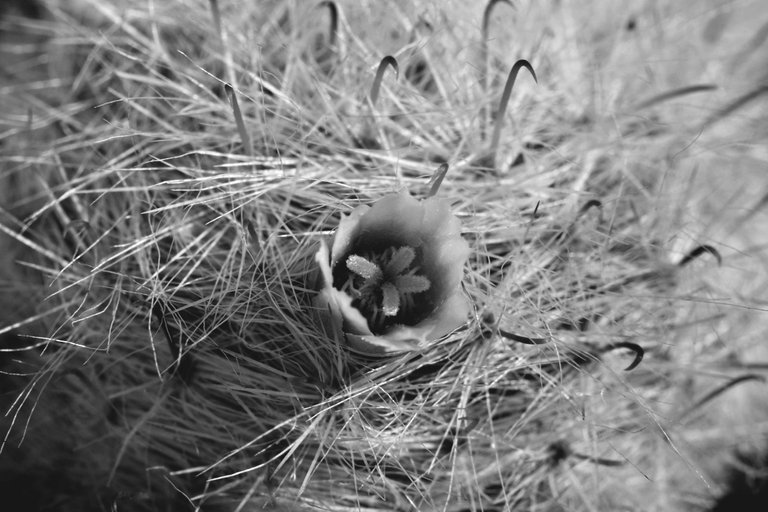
[333, 9]
[437, 179]
[246, 139]
[523, 339]
[386, 61]
[522, 63]
[485, 31]
[634, 347]
[535, 212]
[592, 203]
[599, 460]
[683, 91]
[228, 63]
[698, 251]
[216, 14]
[735, 105]
[720, 390]
[558, 451]
[487, 15]
[534, 215]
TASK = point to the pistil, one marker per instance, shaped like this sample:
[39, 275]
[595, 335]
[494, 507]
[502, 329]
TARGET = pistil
[384, 284]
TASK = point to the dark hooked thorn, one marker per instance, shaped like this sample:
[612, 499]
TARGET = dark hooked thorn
[637, 349]
[698, 251]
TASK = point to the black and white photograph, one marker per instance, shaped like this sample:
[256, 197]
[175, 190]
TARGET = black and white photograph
[383, 256]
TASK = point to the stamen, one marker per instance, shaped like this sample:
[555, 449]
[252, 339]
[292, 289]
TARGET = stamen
[400, 260]
[390, 303]
[385, 284]
[364, 268]
[409, 283]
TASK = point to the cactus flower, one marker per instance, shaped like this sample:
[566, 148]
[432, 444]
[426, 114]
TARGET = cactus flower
[391, 279]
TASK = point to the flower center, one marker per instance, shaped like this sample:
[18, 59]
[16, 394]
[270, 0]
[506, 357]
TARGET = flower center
[383, 285]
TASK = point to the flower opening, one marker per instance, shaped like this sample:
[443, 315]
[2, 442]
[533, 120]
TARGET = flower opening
[384, 286]
[391, 279]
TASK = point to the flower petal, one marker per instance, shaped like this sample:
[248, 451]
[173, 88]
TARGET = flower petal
[344, 316]
[447, 317]
[352, 320]
[450, 315]
[323, 259]
[373, 345]
[400, 219]
[349, 227]
[445, 267]
[439, 221]
[394, 220]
